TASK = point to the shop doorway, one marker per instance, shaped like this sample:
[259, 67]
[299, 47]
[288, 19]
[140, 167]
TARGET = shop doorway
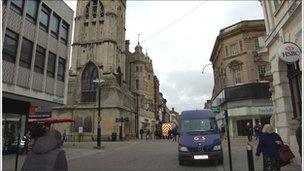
[13, 129]
[265, 120]
[241, 126]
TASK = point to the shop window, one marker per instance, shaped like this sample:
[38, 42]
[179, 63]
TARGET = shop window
[17, 6]
[55, 26]
[51, 65]
[10, 46]
[39, 59]
[31, 10]
[26, 53]
[88, 87]
[44, 19]
[61, 69]
[295, 84]
[65, 33]
[13, 129]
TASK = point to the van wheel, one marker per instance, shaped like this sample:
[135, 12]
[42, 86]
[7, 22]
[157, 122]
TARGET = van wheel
[181, 162]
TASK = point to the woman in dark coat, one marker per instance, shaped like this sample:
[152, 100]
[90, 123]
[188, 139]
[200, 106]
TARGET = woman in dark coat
[269, 142]
[46, 154]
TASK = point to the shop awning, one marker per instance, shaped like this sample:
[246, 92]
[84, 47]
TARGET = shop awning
[49, 120]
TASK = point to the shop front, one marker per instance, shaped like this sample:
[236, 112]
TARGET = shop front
[14, 124]
[240, 116]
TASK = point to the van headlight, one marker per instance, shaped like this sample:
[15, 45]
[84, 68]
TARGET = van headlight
[182, 148]
[217, 148]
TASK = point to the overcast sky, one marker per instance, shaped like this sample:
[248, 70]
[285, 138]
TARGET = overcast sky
[180, 51]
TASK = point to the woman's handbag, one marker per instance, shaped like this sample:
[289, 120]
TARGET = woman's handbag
[285, 154]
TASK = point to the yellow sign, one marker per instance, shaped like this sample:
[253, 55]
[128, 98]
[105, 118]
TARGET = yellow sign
[165, 128]
[98, 118]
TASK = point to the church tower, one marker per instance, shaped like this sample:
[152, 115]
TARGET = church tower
[99, 35]
[98, 52]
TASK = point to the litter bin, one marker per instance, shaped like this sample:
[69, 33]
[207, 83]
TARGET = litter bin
[114, 136]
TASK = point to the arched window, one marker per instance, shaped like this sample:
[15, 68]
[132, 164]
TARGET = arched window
[88, 88]
[87, 10]
[101, 9]
[94, 5]
[94, 8]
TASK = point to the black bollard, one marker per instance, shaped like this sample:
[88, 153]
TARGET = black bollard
[250, 157]
[228, 139]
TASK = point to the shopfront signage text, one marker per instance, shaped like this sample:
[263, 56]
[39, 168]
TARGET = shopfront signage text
[289, 52]
[268, 110]
[57, 100]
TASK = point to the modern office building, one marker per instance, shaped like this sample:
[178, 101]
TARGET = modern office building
[35, 61]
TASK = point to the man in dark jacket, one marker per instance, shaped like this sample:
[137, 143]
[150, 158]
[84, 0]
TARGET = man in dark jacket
[46, 154]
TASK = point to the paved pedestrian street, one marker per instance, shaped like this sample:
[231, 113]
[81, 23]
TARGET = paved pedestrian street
[145, 155]
[137, 155]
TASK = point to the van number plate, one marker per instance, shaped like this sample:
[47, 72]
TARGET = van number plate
[200, 157]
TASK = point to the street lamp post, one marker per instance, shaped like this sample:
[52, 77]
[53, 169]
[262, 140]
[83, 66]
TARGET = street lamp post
[99, 83]
[205, 67]
[136, 116]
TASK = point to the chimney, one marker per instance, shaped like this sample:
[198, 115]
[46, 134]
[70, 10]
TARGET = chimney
[172, 109]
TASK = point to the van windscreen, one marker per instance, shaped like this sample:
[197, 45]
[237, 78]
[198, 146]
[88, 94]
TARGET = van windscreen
[199, 125]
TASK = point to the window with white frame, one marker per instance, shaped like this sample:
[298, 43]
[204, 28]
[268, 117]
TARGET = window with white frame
[237, 76]
[262, 70]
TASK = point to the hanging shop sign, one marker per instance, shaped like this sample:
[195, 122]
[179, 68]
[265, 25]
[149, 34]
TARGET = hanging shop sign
[289, 52]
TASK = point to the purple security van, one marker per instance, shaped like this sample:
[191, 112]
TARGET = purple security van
[199, 137]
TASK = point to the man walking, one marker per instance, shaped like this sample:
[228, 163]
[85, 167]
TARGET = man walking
[257, 130]
[64, 137]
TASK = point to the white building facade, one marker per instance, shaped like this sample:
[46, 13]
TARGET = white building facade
[283, 21]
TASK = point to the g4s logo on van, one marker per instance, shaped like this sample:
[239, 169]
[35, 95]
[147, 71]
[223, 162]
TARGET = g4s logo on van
[199, 138]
